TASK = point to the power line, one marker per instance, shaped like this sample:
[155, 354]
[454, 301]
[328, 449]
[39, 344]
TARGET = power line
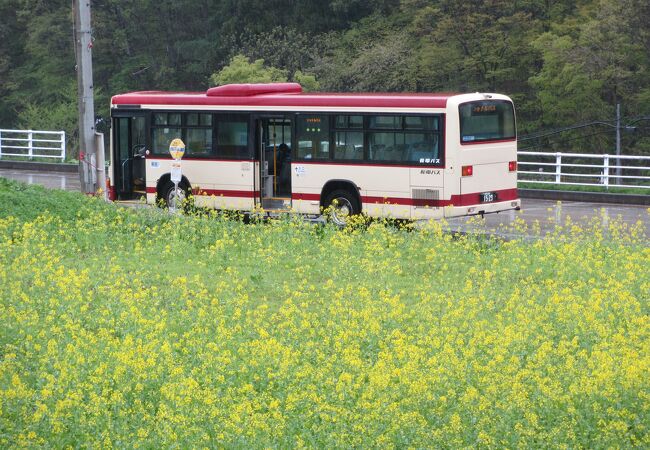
[564, 140]
[612, 124]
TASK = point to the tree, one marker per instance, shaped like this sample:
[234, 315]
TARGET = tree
[279, 47]
[241, 70]
[483, 44]
[307, 81]
[375, 55]
[10, 54]
[592, 65]
[40, 58]
[59, 114]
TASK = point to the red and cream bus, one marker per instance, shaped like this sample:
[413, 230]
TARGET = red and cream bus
[273, 147]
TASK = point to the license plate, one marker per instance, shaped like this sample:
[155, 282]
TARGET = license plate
[488, 197]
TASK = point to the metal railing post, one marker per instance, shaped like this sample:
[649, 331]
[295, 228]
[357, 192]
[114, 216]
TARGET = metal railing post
[638, 175]
[0, 144]
[30, 141]
[63, 146]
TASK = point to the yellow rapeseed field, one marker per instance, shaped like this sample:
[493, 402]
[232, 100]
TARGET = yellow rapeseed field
[138, 329]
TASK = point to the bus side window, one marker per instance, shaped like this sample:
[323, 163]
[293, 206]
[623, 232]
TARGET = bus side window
[198, 134]
[425, 150]
[232, 137]
[349, 145]
[162, 137]
[312, 131]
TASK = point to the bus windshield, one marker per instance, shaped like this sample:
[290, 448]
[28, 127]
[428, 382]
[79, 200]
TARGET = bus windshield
[488, 120]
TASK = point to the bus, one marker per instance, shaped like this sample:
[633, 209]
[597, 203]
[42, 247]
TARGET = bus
[272, 147]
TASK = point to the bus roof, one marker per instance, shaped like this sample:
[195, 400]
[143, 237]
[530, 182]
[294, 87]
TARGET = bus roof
[279, 95]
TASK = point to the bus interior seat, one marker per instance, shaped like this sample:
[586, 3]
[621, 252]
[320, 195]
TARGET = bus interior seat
[268, 157]
[389, 154]
[377, 152]
[401, 152]
[353, 152]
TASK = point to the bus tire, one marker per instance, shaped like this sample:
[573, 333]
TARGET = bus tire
[341, 204]
[167, 194]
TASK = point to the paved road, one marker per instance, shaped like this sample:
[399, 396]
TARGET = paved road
[549, 214]
[546, 214]
[52, 180]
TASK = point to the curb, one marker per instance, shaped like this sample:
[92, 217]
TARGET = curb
[595, 197]
[40, 166]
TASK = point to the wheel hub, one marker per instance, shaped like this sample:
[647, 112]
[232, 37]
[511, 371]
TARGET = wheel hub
[341, 209]
[175, 197]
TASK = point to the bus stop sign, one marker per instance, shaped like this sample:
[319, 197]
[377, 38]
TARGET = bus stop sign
[177, 149]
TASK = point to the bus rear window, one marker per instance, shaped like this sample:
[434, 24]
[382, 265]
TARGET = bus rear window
[489, 120]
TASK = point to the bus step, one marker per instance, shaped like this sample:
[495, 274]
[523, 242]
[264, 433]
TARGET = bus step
[272, 212]
[137, 203]
[271, 204]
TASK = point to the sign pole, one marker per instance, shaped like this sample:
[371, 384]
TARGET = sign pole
[177, 150]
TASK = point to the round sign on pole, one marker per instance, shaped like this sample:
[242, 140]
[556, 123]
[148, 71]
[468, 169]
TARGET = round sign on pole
[177, 149]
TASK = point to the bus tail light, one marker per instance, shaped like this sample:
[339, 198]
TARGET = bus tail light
[512, 166]
[467, 171]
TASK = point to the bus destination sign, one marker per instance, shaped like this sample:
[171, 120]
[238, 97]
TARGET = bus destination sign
[484, 108]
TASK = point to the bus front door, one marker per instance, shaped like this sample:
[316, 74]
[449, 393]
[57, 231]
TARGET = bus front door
[128, 159]
[274, 147]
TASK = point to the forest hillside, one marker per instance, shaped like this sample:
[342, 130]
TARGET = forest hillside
[563, 62]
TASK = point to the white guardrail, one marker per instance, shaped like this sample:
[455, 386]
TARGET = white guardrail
[32, 144]
[534, 167]
[581, 169]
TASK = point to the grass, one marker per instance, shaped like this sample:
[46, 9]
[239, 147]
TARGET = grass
[137, 328]
[568, 187]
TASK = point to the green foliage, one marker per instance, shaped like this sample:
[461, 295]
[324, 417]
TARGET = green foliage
[241, 70]
[10, 50]
[59, 115]
[563, 62]
[280, 47]
[591, 65]
[307, 81]
[374, 56]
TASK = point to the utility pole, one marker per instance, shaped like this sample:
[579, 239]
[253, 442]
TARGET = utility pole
[83, 52]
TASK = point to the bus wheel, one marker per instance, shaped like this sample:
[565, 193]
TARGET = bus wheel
[172, 197]
[341, 205]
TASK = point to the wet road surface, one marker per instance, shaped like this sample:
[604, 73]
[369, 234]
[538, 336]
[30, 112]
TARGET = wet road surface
[52, 180]
[545, 215]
